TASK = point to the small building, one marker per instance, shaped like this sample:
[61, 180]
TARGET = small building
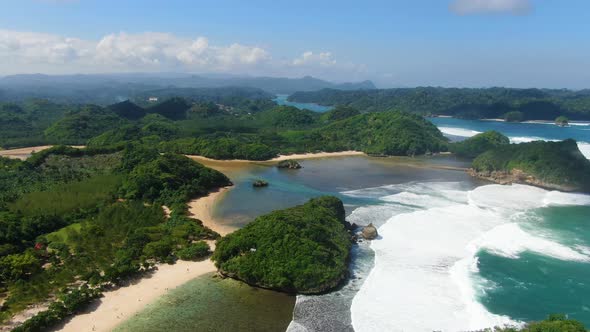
[153, 99]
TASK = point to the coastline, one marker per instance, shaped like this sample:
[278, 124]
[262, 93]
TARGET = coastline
[118, 305]
[202, 208]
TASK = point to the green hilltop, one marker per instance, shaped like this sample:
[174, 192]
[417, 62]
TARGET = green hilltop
[304, 249]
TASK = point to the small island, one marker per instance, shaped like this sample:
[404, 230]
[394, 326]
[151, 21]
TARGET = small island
[562, 121]
[478, 144]
[259, 183]
[300, 250]
[550, 165]
[289, 164]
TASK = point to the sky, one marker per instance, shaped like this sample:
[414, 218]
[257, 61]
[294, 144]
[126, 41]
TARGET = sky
[455, 43]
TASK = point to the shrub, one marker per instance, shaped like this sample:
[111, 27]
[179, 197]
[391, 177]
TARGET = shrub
[194, 251]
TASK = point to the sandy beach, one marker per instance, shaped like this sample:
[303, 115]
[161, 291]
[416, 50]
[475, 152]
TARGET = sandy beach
[202, 209]
[220, 163]
[118, 305]
[24, 153]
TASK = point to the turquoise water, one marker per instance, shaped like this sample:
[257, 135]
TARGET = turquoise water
[533, 256]
[340, 177]
[533, 283]
[529, 286]
[580, 131]
[208, 303]
[282, 100]
[329, 176]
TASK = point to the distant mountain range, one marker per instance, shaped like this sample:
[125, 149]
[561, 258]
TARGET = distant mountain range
[108, 88]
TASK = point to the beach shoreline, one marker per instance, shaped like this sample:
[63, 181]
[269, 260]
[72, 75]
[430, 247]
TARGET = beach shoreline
[279, 158]
[203, 209]
[118, 305]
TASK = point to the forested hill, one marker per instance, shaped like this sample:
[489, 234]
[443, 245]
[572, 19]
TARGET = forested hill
[104, 91]
[238, 129]
[535, 104]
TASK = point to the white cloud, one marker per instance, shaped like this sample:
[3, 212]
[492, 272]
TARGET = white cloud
[514, 7]
[31, 47]
[123, 51]
[31, 52]
[309, 58]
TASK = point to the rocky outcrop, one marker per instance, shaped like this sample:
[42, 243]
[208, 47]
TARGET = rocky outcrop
[289, 164]
[520, 177]
[369, 232]
[259, 184]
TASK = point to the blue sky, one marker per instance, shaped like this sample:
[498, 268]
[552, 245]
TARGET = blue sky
[520, 43]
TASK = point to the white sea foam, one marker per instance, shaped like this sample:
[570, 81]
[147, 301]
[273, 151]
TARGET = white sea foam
[526, 139]
[510, 241]
[425, 273]
[462, 132]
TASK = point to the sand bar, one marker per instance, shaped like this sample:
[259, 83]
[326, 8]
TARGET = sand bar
[282, 157]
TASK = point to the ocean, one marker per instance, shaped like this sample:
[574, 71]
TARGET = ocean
[454, 253]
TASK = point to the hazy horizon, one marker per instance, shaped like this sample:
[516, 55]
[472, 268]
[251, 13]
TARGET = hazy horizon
[450, 43]
[239, 76]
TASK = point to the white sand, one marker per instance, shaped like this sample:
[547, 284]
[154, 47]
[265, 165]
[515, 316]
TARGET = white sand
[118, 305]
[284, 157]
[24, 153]
[202, 209]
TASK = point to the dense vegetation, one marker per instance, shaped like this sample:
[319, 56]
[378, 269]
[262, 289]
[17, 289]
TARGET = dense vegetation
[76, 217]
[562, 120]
[38, 121]
[534, 104]
[514, 116]
[304, 249]
[559, 163]
[23, 124]
[554, 323]
[385, 133]
[478, 144]
[223, 132]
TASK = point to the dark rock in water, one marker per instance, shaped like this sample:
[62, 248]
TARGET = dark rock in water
[259, 184]
[289, 164]
[369, 232]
